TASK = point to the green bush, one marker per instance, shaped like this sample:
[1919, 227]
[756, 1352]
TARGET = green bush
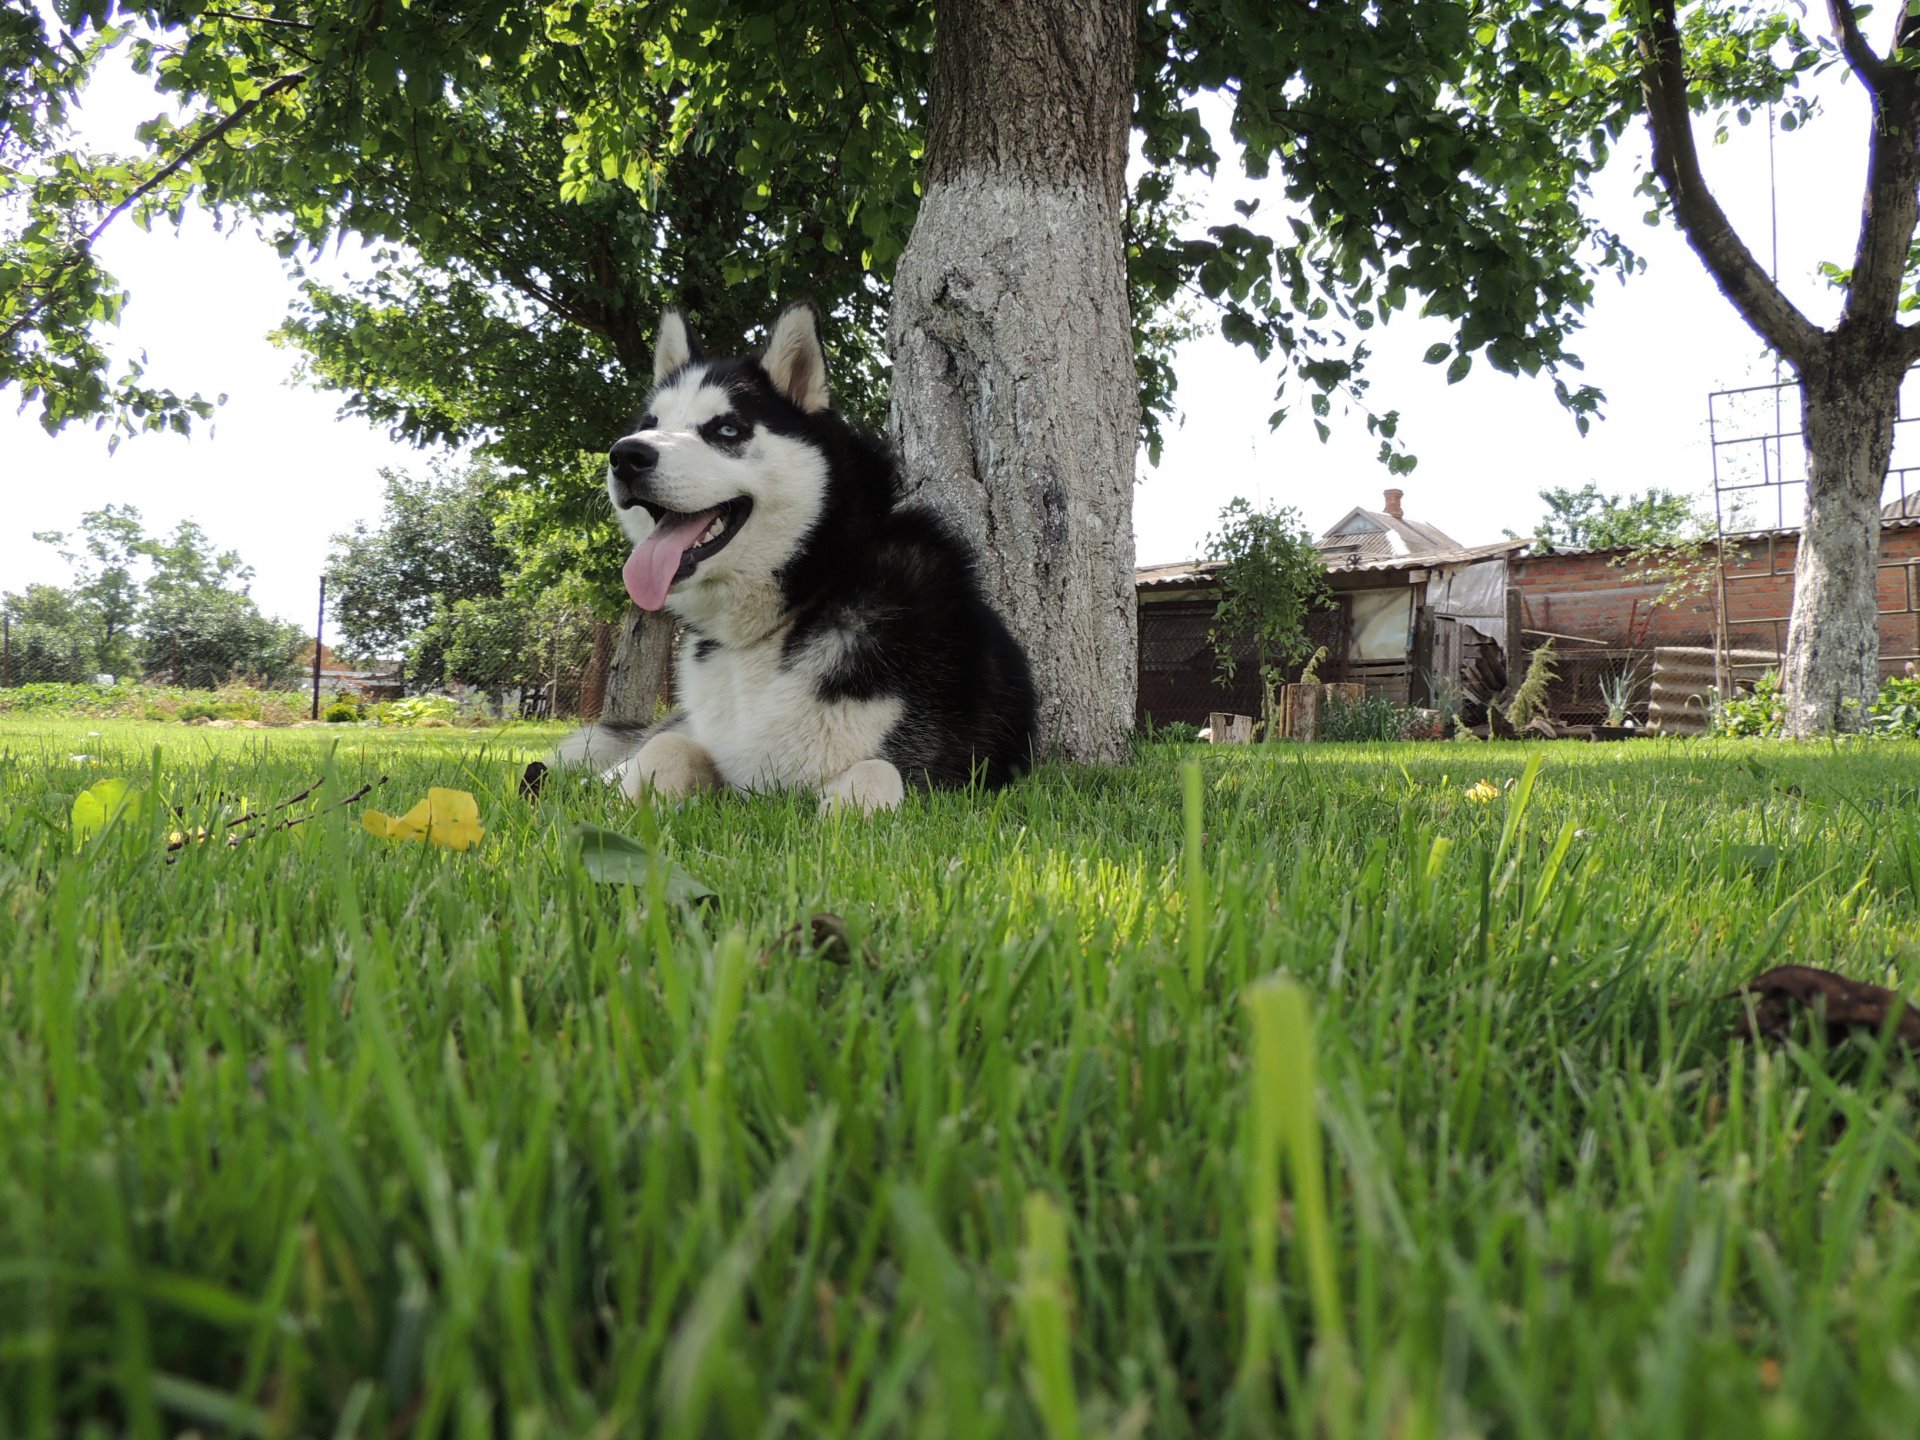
[1759, 714]
[1896, 711]
[56, 697]
[417, 708]
[1173, 732]
[341, 712]
[195, 710]
[130, 700]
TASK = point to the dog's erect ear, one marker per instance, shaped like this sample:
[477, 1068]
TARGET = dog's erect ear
[675, 346]
[794, 360]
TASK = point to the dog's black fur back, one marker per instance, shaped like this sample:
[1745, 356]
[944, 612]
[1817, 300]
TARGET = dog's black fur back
[913, 623]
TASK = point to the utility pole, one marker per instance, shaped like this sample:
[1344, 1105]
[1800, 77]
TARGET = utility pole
[319, 624]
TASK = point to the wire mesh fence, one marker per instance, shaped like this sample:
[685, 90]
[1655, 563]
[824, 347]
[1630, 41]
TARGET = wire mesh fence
[1596, 685]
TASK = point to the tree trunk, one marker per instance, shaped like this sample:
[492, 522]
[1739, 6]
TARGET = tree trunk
[1848, 407]
[1015, 405]
[640, 658]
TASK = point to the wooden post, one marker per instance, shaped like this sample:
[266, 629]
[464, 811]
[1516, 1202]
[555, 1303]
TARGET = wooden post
[1300, 712]
[1230, 729]
[319, 625]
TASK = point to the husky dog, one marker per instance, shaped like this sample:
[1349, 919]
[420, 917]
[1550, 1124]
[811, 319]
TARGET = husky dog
[834, 638]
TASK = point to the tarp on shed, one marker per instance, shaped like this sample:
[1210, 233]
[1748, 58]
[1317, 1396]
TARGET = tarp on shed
[1474, 594]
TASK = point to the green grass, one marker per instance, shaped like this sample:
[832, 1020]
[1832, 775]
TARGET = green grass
[325, 1136]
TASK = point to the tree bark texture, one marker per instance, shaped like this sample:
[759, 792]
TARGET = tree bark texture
[1833, 644]
[640, 659]
[1015, 405]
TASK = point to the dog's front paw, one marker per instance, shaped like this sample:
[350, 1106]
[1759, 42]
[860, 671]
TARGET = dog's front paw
[669, 765]
[870, 785]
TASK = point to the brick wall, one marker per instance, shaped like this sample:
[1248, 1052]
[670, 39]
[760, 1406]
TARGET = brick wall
[1586, 596]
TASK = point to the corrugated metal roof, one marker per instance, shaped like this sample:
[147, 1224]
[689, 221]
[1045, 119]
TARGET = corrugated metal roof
[1375, 534]
[1201, 572]
[1889, 521]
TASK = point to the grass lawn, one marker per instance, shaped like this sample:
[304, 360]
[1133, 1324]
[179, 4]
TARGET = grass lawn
[325, 1135]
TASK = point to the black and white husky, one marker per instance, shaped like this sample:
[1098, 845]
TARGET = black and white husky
[835, 639]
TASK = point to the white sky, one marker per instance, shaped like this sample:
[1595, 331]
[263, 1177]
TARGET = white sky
[277, 472]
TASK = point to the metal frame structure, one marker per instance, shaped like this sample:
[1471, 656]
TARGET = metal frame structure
[1755, 448]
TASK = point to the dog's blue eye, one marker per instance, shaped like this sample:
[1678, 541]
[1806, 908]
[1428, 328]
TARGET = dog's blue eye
[727, 431]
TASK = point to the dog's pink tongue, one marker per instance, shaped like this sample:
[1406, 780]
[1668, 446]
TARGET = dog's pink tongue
[650, 569]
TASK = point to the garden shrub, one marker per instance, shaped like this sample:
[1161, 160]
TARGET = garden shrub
[132, 700]
[416, 708]
[1896, 710]
[1758, 714]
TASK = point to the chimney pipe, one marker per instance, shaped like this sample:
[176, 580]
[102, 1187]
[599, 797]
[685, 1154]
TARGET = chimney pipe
[1393, 504]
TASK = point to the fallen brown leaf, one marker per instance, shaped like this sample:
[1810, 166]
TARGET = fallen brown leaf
[824, 934]
[1839, 1003]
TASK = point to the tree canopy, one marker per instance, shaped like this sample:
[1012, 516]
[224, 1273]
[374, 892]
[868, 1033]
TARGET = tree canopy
[544, 176]
[540, 179]
[1588, 519]
[436, 543]
[170, 608]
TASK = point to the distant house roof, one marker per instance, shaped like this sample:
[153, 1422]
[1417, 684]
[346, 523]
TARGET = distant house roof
[1382, 534]
[1905, 508]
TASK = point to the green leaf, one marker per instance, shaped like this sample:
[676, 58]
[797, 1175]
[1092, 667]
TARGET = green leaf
[1436, 353]
[616, 859]
[98, 806]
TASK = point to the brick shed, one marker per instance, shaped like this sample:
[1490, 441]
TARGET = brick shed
[1599, 605]
[1601, 596]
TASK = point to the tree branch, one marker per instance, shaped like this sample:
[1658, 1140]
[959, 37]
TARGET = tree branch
[1860, 58]
[185, 157]
[1890, 210]
[84, 247]
[1676, 160]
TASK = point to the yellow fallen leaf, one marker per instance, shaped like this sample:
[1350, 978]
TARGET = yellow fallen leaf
[1484, 792]
[446, 817]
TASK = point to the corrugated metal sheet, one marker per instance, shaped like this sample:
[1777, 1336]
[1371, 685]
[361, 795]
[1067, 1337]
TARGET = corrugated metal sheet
[1196, 573]
[1683, 685]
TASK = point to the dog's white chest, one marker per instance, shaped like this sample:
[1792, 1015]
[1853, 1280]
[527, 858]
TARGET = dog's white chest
[766, 727]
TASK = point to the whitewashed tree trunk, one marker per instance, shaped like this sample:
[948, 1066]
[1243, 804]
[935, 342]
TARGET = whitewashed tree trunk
[640, 657]
[1833, 644]
[1015, 405]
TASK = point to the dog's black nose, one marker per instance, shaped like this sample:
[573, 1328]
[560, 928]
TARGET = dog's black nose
[632, 456]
